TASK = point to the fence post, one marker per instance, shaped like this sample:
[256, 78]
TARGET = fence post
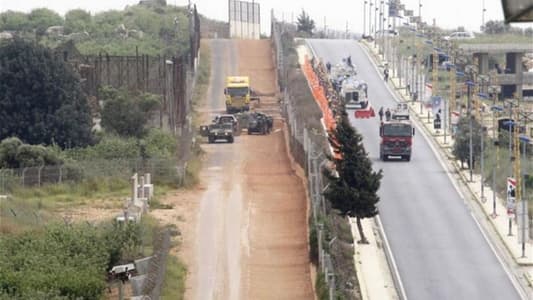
[39, 175]
[23, 175]
[60, 174]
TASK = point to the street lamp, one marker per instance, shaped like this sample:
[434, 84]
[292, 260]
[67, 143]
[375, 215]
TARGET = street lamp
[364, 18]
[495, 109]
[470, 83]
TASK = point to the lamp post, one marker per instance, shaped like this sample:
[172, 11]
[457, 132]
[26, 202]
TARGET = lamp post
[370, 4]
[364, 17]
[483, 10]
[469, 84]
[375, 19]
[495, 109]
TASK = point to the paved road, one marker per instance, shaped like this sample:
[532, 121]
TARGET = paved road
[439, 249]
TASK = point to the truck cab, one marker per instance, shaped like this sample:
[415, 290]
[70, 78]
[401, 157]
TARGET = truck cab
[354, 94]
[237, 94]
[396, 139]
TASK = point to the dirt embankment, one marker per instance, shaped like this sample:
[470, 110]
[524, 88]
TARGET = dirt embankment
[277, 262]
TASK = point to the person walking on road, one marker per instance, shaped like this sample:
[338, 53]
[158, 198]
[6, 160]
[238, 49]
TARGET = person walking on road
[386, 74]
[387, 115]
[380, 113]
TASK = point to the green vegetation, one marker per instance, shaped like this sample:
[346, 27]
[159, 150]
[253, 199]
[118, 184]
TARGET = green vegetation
[353, 191]
[203, 74]
[174, 284]
[322, 292]
[67, 261]
[155, 30]
[126, 114]
[461, 146]
[41, 100]
[305, 24]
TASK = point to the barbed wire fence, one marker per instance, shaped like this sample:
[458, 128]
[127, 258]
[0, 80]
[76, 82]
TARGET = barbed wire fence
[331, 246]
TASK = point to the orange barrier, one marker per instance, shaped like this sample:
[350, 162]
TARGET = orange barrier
[319, 95]
[321, 99]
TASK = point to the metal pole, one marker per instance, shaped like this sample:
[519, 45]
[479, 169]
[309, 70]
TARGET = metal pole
[524, 210]
[375, 20]
[510, 138]
[482, 161]
[364, 17]
[470, 147]
[494, 215]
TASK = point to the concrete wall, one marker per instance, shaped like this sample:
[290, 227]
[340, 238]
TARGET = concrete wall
[244, 19]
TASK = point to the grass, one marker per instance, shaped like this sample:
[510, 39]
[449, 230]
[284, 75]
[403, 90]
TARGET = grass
[28, 208]
[174, 284]
[498, 39]
[204, 73]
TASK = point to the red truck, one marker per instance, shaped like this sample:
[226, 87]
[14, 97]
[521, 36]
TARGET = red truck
[396, 139]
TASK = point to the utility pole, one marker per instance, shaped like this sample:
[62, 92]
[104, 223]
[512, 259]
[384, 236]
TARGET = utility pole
[494, 83]
[470, 116]
[420, 10]
[364, 17]
[375, 19]
[524, 219]
[483, 17]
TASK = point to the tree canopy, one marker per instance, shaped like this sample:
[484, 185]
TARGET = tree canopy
[305, 23]
[41, 101]
[461, 146]
[126, 114]
[353, 189]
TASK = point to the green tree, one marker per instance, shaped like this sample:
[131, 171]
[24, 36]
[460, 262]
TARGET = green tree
[41, 101]
[77, 20]
[13, 20]
[496, 27]
[305, 23]
[42, 18]
[353, 186]
[461, 146]
[126, 114]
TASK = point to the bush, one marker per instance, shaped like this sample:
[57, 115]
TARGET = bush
[126, 114]
[63, 262]
[15, 154]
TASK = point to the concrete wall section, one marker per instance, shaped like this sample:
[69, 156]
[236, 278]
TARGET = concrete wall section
[244, 19]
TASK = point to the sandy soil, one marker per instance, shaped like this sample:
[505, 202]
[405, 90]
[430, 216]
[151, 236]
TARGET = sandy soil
[277, 262]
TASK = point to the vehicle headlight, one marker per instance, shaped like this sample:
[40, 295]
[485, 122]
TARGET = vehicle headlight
[225, 133]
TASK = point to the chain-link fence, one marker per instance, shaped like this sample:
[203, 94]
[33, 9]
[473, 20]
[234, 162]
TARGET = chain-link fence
[162, 170]
[153, 283]
[331, 241]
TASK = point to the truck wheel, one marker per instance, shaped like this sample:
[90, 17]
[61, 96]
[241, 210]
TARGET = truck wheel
[210, 140]
[384, 157]
[249, 131]
[408, 157]
[230, 140]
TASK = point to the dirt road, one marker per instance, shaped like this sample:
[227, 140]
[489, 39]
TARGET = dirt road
[251, 232]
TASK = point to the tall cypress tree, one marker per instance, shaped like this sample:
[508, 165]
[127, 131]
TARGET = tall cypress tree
[354, 184]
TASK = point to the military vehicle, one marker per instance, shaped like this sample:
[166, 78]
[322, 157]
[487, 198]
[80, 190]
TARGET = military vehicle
[259, 123]
[218, 131]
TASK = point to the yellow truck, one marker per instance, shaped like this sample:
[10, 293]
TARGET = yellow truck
[238, 94]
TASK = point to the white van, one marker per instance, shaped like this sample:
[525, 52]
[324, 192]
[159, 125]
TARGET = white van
[460, 35]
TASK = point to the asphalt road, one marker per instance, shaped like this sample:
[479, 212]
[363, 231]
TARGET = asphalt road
[438, 247]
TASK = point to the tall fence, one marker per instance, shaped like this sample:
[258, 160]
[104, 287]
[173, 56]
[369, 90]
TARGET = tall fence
[330, 238]
[173, 78]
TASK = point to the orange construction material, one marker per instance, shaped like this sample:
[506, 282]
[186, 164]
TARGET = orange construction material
[366, 113]
[320, 98]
